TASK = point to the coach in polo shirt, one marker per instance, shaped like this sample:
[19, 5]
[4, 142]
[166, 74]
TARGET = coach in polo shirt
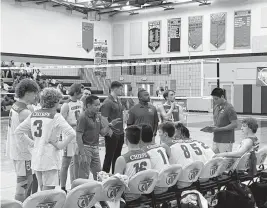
[225, 122]
[112, 109]
[143, 112]
[89, 125]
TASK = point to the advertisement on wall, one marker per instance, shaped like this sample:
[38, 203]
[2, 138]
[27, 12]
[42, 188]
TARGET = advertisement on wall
[261, 79]
[195, 33]
[154, 30]
[174, 35]
[217, 31]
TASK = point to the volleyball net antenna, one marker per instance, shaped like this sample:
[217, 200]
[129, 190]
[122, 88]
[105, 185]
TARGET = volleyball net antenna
[188, 78]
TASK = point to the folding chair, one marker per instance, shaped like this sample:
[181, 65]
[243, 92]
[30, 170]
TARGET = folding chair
[168, 177]
[261, 158]
[211, 170]
[84, 195]
[142, 183]
[5, 203]
[78, 182]
[190, 174]
[48, 198]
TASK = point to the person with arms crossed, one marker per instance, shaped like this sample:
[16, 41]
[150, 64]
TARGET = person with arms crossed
[18, 151]
[143, 112]
[71, 110]
[170, 110]
[112, 109]
[89, 127]
[135, 160]
[45, 126]
[249, 143]
[159, 153]
[225, 122]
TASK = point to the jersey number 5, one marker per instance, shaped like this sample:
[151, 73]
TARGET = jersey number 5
[39, 125]
[140, 166]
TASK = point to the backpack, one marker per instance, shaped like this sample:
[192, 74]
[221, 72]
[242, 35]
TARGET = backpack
[235, 195]
[259, 191]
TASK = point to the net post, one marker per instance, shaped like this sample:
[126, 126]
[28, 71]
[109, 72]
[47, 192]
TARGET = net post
[218, 72]
[202, 78]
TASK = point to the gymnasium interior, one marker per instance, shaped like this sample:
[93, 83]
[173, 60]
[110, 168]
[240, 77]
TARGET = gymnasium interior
[189, 46]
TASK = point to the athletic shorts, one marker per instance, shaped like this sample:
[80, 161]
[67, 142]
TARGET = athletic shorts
[222, 147]
[48, 178]
[71, 150]
[22, 167]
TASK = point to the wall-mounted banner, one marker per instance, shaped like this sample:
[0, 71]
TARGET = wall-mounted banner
[101, 57]
[242, 27]
[217, 31]
[87, 36]
[154, 37]
[174, 35]
[195, 27]
[261, 79]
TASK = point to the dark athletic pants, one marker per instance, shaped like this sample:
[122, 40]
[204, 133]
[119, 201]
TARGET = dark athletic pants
[113, 146]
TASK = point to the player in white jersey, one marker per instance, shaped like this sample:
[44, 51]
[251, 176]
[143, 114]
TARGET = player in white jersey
[185, 150]
[135, 160]
[71, 111]
[45, 126]
[18, 151]
[159, 153]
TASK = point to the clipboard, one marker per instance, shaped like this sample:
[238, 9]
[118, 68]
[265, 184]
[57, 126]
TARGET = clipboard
[207, 129]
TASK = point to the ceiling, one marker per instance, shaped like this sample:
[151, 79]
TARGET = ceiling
[114, 7]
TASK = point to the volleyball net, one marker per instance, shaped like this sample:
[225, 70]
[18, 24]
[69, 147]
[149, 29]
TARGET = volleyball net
[189, 78]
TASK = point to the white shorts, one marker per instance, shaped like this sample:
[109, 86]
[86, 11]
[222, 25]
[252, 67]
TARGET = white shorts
[71, 150]
[22, 167]
[48, 178]
[222, 147]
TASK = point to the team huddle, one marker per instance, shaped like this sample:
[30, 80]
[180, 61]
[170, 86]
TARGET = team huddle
[37, 134]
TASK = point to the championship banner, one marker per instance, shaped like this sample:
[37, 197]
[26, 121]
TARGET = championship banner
[174, 35]
[242, 22]
[195, 33]
[87, 36]
[217, 31]
[261, 79]
[101, 56]
[154, 37]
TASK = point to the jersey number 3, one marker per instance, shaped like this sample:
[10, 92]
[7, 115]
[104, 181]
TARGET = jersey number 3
[140, 166]
[39, 125]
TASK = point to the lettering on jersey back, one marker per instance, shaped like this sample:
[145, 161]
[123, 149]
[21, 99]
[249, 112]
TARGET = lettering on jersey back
[144, 185]
[43, 114]
[152, 146]
[113, 191]
[46, 205]
[18, 106]
[75, 107]
[193, 173]
[138, 156]
[213, 169]
[171, 177]
[84, 200]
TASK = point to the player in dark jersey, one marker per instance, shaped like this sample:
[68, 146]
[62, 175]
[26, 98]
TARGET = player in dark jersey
[135, 160]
